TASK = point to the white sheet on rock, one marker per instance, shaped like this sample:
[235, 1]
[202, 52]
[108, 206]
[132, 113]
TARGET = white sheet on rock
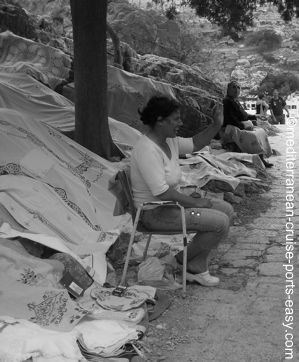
[52, 186]
[36, 101]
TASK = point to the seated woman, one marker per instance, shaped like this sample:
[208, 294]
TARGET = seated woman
[155, 176]
[238, 129]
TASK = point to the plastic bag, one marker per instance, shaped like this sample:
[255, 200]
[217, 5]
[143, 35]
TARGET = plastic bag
[150, 269]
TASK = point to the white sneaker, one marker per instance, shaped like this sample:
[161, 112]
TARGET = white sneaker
[206, 279]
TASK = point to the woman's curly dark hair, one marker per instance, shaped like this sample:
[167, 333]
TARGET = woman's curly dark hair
[157, 108]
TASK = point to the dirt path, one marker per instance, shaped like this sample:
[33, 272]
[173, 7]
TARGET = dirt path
[241, 320]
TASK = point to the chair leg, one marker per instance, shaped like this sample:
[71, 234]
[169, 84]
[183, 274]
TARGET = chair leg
[146, 247]
[184, 251]
[124, 274]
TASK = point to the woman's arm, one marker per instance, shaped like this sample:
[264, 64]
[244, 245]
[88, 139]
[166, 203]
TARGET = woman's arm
[187, 201]
[203, 138]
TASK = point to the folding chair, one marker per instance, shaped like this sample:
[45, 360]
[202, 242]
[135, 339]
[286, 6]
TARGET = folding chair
[124, 178]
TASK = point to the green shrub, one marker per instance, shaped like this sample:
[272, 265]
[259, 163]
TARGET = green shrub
[264, 40]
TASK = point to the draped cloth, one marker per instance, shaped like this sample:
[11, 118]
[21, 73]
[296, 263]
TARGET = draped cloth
[46, 64]
[254, 142]
[249, 141]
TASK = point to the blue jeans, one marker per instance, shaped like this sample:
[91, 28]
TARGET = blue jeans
[211, 224]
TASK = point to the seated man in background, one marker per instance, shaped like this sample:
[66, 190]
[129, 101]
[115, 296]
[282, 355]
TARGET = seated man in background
[239, 130]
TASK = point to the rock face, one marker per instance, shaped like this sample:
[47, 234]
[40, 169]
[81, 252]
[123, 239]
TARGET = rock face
[15, 19]
[147, 31]
[135, 26]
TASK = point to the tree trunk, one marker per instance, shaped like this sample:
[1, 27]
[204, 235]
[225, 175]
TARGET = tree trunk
[118, 60]
[90, 69]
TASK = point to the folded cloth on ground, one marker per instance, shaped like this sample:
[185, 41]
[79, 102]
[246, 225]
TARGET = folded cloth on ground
[133, 297]
[21, 340]
[106, 337]
[131, 316]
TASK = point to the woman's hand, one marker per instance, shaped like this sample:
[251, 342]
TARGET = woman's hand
[187, 201]
[204, 137]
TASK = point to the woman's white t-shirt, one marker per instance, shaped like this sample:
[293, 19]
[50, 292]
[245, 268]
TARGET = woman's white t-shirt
[152, 172]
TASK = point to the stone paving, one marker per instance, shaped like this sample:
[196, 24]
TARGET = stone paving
[241, 320]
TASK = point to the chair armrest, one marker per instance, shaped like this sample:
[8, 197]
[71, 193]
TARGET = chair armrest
[161, 203]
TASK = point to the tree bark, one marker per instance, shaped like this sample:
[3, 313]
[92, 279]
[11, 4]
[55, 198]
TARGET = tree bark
[90, 69]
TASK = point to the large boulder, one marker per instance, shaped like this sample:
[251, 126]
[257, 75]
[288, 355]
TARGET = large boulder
[177, 73]
[147, 31]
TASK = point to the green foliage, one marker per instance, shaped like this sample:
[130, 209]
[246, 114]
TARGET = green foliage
[234, 15]
[286, 83]
[264, 40]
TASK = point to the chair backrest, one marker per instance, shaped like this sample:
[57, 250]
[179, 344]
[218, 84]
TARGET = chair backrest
[124, 177]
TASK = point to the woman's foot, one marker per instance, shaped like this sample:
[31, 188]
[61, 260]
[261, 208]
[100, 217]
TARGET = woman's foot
[206, 279]
[266, 164]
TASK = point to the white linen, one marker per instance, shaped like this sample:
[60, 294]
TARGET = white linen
[21, 340]
[106, 337]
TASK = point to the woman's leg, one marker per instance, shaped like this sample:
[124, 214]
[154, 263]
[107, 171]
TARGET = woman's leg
[211, 226]
[224, 207]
